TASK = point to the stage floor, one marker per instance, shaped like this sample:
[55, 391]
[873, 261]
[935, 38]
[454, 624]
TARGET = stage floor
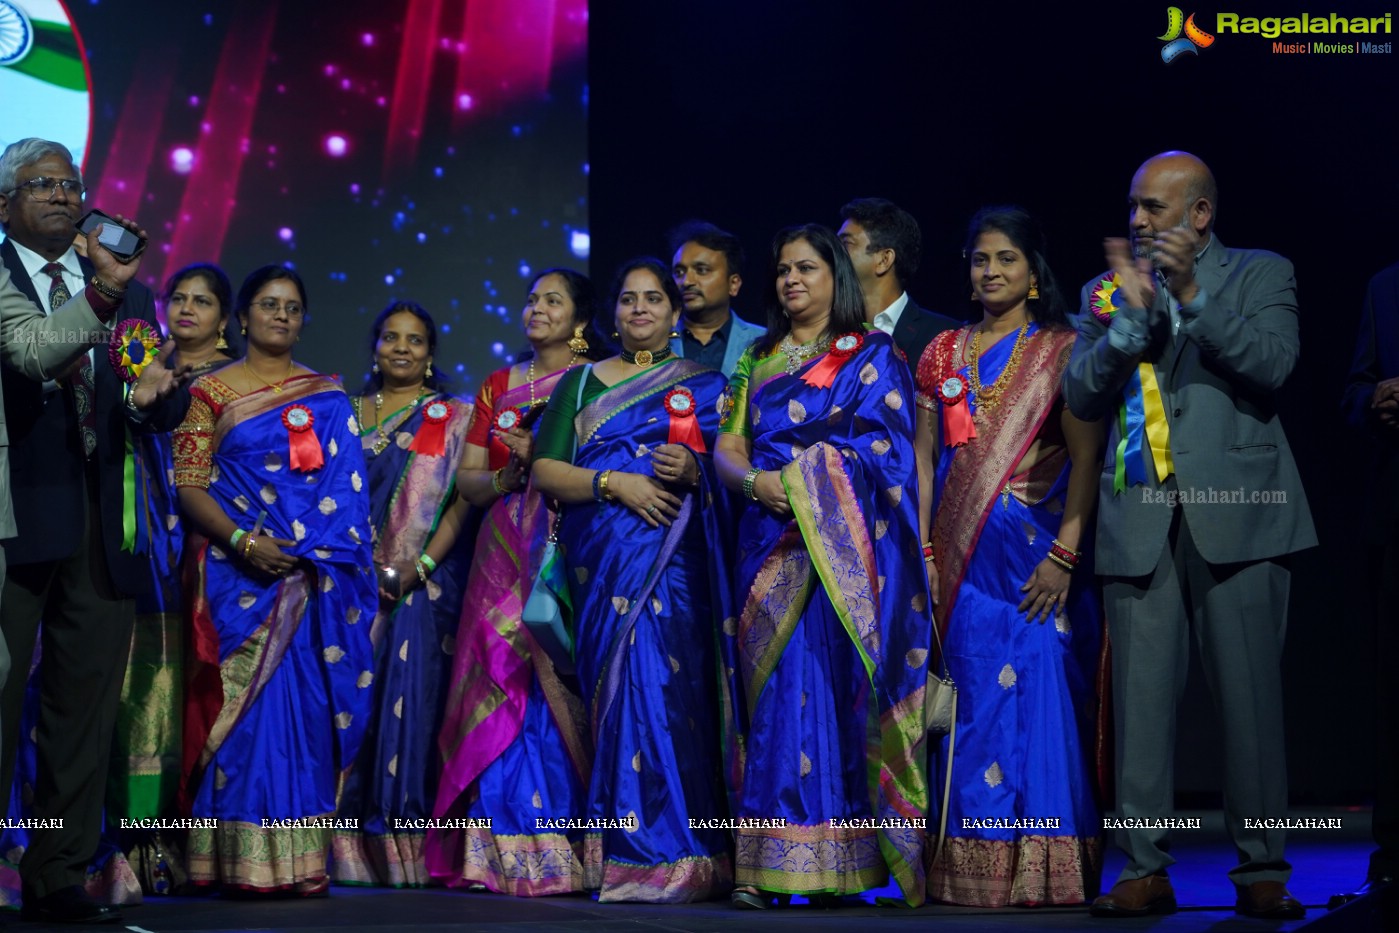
[1324, 863]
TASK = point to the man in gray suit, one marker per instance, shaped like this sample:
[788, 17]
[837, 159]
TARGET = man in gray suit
[43, 346]
[1200, 504]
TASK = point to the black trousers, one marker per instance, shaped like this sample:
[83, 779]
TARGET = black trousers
[1385, 860]
[86, 642]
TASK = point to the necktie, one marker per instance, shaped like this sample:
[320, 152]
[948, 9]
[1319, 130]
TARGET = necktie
[80, 384]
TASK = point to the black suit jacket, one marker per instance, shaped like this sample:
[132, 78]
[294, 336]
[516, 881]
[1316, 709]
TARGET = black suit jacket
[1377, 359]
[916, 329]
[47, 475]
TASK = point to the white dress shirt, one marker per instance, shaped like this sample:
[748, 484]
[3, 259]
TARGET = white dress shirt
[888, 319]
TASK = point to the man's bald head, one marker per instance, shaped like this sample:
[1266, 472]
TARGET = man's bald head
[1172, 189]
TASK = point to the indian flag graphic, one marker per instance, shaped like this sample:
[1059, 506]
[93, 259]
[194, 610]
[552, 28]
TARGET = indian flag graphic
[43, 80]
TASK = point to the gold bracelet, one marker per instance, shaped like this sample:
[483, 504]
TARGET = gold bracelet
[1060, 561]
[107, 291]
[602, 486]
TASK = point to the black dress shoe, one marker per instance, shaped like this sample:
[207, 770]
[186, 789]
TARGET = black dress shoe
[1373, 885]
[68, 905]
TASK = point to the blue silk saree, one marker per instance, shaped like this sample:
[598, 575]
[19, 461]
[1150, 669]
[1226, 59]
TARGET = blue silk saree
[648, 606]
[1023, 825]
[391, 789]
[281, 669]
[834, 633]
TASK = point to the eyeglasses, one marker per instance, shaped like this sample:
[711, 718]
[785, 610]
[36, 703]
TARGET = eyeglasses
[44, 188]
[272, 306]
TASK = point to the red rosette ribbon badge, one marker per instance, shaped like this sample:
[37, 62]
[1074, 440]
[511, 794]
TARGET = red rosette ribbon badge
[823, 374]
[132, 348]
[431, 439]
[684, 426]
[506, 420]
[305, 447]
[957, 427]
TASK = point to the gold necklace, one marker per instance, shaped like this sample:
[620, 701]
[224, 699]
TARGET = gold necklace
[277, 387]
[382, 441]
[988, 397]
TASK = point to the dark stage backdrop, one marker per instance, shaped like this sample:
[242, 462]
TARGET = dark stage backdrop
[431, 150]
[758, 115]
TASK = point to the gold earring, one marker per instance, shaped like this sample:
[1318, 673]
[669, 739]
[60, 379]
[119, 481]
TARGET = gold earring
[1034, 291]
[223, 342]
[615, 335]
[674, 333]
[428, 373]
[577, 343]
[374, 369]
[243, 330]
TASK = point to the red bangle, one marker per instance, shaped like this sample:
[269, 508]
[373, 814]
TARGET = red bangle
[1063, 555]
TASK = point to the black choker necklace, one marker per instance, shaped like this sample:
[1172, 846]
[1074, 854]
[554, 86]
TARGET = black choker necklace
[645, 358]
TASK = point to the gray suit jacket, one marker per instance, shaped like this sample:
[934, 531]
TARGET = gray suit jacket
[40, 346]
[1234, 473]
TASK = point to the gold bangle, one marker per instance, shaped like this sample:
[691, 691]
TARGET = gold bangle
[602, 486]
[1060, 561]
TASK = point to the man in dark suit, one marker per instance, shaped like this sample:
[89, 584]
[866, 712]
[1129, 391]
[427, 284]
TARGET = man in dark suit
[1371, 404]
[884, 243]
[1197, 514]
[67, 565]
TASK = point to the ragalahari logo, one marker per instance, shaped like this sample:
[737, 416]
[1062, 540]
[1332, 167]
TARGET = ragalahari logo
[1177, 44]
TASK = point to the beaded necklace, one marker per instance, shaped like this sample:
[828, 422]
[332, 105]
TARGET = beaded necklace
[381, 441]
[644, 358]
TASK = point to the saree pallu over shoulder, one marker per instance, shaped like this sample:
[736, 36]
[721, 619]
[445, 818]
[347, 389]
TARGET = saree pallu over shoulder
[514, 738]
[1023, 827]
[622, 396]
[844, 570]
[647, 620]
[280, 668]
[1006, 433]
[391, 788]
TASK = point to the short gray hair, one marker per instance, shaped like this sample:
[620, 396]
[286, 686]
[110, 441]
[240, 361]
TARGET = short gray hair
[24, 152]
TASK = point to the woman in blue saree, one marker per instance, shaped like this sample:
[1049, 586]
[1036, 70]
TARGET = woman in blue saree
[1008, 515]
[639, 507]
[412, 436]
[281, 597]
[515, 739]
[834, 632]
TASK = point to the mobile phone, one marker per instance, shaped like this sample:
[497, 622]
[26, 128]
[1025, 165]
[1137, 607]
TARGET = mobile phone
[120, 242]
[390, 582]
[531, 415]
